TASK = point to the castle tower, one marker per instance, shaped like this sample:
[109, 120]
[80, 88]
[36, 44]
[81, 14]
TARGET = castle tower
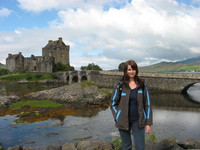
[58, 50]
[15, 62]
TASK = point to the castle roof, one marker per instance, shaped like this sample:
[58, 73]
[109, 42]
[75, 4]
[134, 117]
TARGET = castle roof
[55, 44]
[14, 56]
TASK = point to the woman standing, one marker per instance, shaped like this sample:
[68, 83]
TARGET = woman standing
[131, 108]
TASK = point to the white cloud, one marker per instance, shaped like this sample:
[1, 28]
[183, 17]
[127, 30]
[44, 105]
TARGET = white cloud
[104, 62]
[195, 50]
[42, 5]
[17, 31]
[146, 31]
[4, 12]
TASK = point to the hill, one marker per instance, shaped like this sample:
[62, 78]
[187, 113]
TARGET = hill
[191, 60]
[188, 65]
[2, 66]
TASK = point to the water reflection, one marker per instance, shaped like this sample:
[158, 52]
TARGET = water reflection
[176, 123]
[29, 114]
[174, 101]
[55, 132]
[194, 92]
[167, 123]
[175, 115]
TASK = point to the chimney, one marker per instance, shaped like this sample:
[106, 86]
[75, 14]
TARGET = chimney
[20, 53]
[50, 41]
[9, 55]
[60, 41]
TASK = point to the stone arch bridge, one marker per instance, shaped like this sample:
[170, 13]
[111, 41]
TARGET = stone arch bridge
[175, 82]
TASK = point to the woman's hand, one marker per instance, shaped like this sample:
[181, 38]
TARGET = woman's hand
[147, 129]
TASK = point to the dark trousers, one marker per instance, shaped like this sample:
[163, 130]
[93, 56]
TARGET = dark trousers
[138, 135]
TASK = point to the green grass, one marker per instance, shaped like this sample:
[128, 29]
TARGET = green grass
[117, 143]
[3, 72]
[27, 76]
[151, 137]
[189, 68]
[87, 83]
[35, 103]
[109, 94]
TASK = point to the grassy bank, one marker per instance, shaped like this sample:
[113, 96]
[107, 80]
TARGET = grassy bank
[35, 103]
[27, 76]
[87, 83]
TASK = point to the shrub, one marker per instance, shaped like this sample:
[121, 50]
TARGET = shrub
[62, 67]
[121, 66]
[91, 66]
[3, 72]
[117, 143]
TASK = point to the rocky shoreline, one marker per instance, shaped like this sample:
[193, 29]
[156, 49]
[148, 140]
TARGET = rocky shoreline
[7, 100]
[73, 93]
[76, 92]
[165, 144]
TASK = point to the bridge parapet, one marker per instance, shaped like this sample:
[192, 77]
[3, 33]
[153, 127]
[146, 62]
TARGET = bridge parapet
[176, 82]
[171, 75]
[153, 74]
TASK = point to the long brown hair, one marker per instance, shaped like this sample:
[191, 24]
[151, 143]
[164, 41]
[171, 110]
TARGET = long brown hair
[126, 78]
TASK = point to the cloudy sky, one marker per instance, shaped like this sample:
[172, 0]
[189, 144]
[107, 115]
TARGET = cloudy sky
[104, 32]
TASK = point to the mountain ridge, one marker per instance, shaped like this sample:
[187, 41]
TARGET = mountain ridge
[187, 65]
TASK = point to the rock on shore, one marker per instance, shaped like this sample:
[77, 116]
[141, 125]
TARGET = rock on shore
[165, 144]
[72, 93]
[7, 100]
[81, 145]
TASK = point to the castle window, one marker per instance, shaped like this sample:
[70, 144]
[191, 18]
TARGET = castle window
[35, 68]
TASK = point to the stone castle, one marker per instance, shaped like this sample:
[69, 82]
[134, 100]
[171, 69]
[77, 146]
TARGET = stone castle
[52, 53]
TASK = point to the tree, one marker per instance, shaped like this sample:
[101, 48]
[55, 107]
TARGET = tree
[83, 67]
[3, 72]
[62, 67]
[121, 66]
[91, 66]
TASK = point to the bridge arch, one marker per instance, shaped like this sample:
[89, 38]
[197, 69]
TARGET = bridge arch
[67, 79]
[84, 78]
[187, 87]
[74, 79]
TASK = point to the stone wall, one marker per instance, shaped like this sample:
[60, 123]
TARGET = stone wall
[58, 50]
[175, 82]
[105, 78]
[39, 64]
[15, 62]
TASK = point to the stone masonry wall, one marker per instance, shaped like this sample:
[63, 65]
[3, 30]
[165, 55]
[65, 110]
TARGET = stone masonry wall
[39, 64]
[175, 82]
[58, 50]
